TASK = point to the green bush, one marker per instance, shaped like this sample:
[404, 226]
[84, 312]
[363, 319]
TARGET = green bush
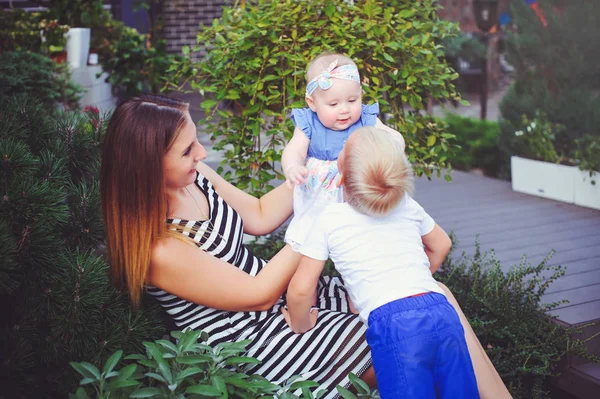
[35, 75]
[505, 312]
[258, 54]
[134, 66]
[135, 62]
[56, 302]
[555, 73]
[478, 141]
[22, 31]
[190, 368]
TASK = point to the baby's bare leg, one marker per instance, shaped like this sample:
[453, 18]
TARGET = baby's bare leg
[489, 383]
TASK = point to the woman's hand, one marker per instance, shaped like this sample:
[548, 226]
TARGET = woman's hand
[303, 325]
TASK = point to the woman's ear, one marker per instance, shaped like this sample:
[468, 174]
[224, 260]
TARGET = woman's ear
[310, 102]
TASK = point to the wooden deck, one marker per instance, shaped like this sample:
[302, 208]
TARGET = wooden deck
[515, 225]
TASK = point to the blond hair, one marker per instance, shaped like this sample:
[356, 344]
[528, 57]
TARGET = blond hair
[376, 171]
[132, 185]
[322, 61]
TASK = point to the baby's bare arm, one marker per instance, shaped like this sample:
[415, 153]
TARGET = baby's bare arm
[293, 156]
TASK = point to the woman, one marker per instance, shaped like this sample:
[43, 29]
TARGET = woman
[161, 204]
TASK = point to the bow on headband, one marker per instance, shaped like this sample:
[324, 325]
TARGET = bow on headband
[323, 80]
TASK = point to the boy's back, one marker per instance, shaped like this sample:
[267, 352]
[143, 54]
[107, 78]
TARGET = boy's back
[381, 259]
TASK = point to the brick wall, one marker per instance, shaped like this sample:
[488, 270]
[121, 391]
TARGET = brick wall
[182, 20]
[461, 11]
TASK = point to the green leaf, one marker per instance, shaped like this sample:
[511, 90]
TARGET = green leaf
[431, 140]
[167, 344]
[81, 394]
[145, 393]
[242, 359]
[157, 377]
[112, 361]
[188, 372]
[87, 380]
[127, 371]
[123, 383]
[193, 359]
[82, 370]
[204, 389]
[166, 371]
[89, 370]
[359, 384]
[344, 393]
[303, 384]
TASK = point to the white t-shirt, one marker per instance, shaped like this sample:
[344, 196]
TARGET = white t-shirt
[381, 259]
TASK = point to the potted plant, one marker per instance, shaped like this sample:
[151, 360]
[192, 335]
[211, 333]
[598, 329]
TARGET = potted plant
[544, 165]
[79, 15]
[54, 40]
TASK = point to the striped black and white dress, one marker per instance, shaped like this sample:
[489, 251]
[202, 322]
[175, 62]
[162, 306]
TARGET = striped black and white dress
[326, 354]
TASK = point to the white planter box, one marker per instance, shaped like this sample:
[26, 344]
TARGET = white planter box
[586, 193]
[553, 181]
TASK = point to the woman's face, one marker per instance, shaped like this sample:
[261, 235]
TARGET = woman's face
[179, 162]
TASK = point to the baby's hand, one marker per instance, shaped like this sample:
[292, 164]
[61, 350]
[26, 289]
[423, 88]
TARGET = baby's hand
[296, 174]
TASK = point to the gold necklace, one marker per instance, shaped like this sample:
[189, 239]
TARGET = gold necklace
[198, 223]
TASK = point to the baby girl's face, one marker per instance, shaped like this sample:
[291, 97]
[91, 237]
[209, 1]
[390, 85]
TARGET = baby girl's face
[339, 107]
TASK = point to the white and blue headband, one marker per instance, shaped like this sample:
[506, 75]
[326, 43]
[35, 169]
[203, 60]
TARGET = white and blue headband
[323, 80]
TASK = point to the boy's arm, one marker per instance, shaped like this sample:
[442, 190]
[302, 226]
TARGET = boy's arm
[300, 295]
[380, 125]
[437, 245]
[293, 156]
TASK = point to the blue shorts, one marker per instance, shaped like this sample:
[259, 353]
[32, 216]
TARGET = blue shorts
[419, 350]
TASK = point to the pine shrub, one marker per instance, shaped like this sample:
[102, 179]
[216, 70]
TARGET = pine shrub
[33, 74]
[55, 298]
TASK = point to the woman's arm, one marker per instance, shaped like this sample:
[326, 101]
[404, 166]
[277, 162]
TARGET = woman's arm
[293, 157]
[301, 293]
[489, 383]
[192, 274]
[437, 245]
[260, 215]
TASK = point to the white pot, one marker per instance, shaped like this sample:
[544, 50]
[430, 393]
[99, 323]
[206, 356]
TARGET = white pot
[78, 46]
[553, 181]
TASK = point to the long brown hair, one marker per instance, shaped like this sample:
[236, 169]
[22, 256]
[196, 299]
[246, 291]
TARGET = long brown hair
[132, 186]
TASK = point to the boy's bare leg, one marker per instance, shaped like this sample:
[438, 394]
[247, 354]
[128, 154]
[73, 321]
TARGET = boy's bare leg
[489, 383]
